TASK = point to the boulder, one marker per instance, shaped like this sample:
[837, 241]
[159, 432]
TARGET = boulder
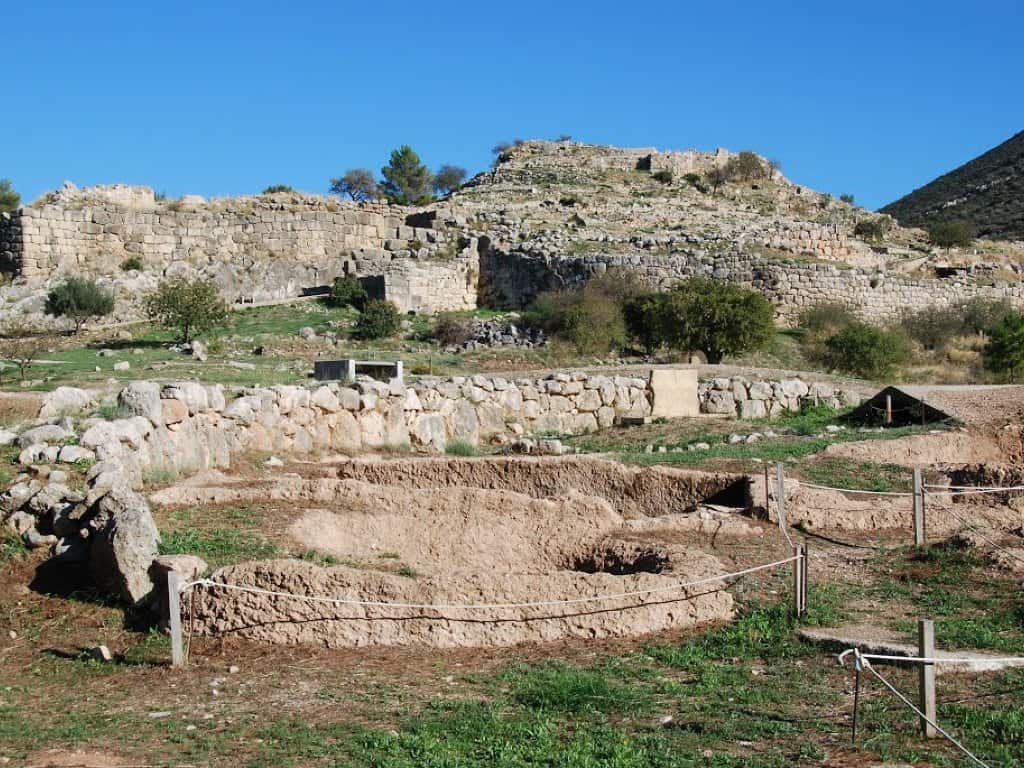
[124, 544]
[65, 400]
[72, 454]
[173, 411]
[47, 433]
[142, 398]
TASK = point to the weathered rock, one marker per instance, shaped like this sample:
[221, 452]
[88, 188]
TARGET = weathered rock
[65, 400]
[124, 544]
[47, 433]
[142, 398]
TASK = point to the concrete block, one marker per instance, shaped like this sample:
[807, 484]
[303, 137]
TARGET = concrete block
[673, 393]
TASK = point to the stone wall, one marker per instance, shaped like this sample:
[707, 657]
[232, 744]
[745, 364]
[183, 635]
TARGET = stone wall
[188, 426]
[257, 248]
[791, 285]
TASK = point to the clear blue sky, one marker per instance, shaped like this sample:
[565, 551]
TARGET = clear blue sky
[224, 98]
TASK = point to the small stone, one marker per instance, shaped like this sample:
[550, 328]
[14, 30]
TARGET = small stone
[234, 669]
[665, 720]
[122, 365]
[101, 653]
[13, 635]
[159, 715]
[273, 461]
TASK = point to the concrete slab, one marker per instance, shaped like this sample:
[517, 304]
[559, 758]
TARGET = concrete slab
[875, 640]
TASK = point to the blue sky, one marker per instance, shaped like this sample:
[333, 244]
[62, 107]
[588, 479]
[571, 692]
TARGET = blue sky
[223, 98]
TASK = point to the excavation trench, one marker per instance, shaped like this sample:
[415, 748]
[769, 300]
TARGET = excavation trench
[514, 550]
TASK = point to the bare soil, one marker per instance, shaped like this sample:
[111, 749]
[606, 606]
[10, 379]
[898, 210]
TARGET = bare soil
[543, 552]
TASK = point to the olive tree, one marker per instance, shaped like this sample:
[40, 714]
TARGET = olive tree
[187, 306]
[358, 183]
[79, 299]
[448, 179]
[716, 317]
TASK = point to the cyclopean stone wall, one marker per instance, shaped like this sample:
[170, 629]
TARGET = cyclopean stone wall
[187, 425]
[791, 285]
[258, 248]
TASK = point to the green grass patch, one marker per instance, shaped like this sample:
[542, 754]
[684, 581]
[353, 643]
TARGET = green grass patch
[461, 448]
[219, 546]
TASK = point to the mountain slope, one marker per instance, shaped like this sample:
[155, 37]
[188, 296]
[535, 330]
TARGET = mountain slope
[988, 191]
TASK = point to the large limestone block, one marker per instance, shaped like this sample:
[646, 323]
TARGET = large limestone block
[673, 393]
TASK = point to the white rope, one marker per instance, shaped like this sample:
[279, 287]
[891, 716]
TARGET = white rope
[966, 490]
[485, 606]
[973, 527]
[853, 490]
[923, 716]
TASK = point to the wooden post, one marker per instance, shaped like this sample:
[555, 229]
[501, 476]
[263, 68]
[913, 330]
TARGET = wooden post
[174, 610]
[767, 494]
[780, 493]
[926, 675]
[919, 540]
[922, 411]
[804, 565]
[888, 409]
[798, 581]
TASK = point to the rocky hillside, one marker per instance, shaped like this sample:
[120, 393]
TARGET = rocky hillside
[988, 191]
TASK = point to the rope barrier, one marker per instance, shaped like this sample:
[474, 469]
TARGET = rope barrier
[485, 606]
[865, 664]
[965, 490]
[854, 490]
[973, 527]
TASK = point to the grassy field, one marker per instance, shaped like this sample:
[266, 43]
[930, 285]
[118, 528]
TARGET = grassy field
[798, 440]
[748, 694]
[286, 358]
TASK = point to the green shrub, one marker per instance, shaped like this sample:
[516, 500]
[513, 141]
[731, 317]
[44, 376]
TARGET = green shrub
[378, 320]
[9, 199]
[78, 299]
[452, 330]
[1004, 353]
[665, 177]
[933, 327]
[132, 263]
[873, 229]
[847, 198]
[187, 306]
[348, 291]
[946, 234]
[746, 166]
[716, 317]
[819, 323]
[589, 317]
[982, 315]
[273, 189]
[867, 351]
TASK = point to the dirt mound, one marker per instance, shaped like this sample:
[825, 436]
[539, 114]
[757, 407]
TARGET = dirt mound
[632, 491]
[286, 620]
[456, 529]
[920, 450]
[470, 532]
[853, 511]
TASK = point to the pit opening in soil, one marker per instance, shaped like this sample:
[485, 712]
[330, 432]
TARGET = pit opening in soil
[554, 548]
